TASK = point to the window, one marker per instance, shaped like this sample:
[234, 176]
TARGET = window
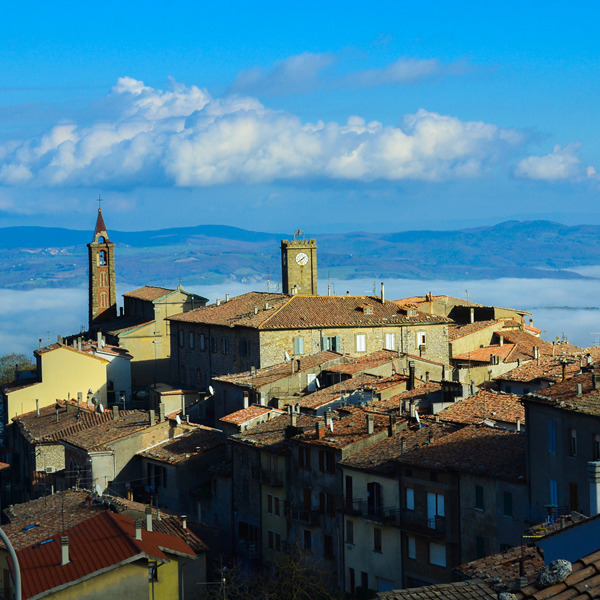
[304, 457]
[270, 504]
[191, 340]
[298, 345]
[552, 437]
[224, 345]
[421, 338]
[374, 498]
[553, 492]
[103, 279]
[202, 342]
[213, 344]
[181, 338]
[307, 498]
[480, 546]
[479, 502]
[270, 536]
[412, 547]
[307, 539]
[349, 532]
[276, 506]
[596, 446]
[410, 498]
[103, 300]
[376, 539]
[507, 509]
[157, 476]
[333, 343]
[435, 509]
[326, 461]
[278, 542]
[102, 258]
[328, 546]
[573, 442]
[437, 554]
[361, 342]
[390, 341]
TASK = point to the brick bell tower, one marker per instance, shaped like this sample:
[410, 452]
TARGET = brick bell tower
[103, 292]
[299, 265]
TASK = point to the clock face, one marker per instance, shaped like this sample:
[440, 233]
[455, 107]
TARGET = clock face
[301, 258]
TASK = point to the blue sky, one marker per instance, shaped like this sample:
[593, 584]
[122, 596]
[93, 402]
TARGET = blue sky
[324, 116]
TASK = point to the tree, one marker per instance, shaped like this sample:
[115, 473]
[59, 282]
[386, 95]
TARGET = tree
[10, 362]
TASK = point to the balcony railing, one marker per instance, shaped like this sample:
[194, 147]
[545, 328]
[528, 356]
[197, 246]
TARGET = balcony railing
[383, 514]
[304, 515]
[267, 476]
[419, 523]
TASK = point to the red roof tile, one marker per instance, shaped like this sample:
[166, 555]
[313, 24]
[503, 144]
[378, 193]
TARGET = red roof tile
[352, 365]
[251, 412]
[485, 405]
[483, 354]
[333, 392]
[149, 292]
[550, 369]
[460, 331]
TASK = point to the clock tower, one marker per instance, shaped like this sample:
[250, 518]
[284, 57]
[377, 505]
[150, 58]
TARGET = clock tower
[299, 265]
[103, 291]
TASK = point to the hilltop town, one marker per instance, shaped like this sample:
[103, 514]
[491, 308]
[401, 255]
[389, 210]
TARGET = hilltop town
[349, 446]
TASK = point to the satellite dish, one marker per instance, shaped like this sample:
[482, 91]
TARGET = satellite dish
[178, 419]
[417, 417]
[98, 489]
[100, 407]
[211, 390]
[287, 356]
[317, 383]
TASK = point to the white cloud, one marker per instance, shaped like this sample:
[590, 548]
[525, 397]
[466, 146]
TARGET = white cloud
[563, 163]
[185, 137]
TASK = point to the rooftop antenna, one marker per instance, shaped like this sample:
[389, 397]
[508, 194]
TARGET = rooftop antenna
[467, 292]
[268, 279]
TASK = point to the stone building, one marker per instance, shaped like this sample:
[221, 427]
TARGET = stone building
[299, 266]
[261, 329]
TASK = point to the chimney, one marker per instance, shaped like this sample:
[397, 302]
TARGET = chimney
[579, 389]
[148, 518]
[151, 417]
[37, 407]
[226, 297]
[500, 340]
[536, 353]
[347, 293]
[531, 322]
[411, 409]
[402, 446]
[79, 398]
[596, 380]
[255, 309]
[246, 399]
[430, 437]
[218, 301]
[267, 305]
[293, 417]
[443, 372]
[392, 426]
[99, 340]
[426, 376]
[370, 424]
[115, 412]
[329, 289]
[40, 342]
[411, 375]
[472, 388]
[138, 529]
[184, 521]
[382, 294]
[64, 550]
[564, 369]
[161, 412]
[328, 418]
[519, 425]
[593, 469]
[121, 313]
[59, 339]
[320, 429]
[472, 315]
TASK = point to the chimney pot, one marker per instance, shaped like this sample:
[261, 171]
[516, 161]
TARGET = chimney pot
[226, 297]
[370, 424]
[382, 294]
[138, 529]
[411, 408]
[64, 550]
[402, 446]
[596, 381]
[218, 301]
[151, 418]
[161, 412]
[148, 518]
[115, 412]
[37, 407]
[184, 521]
[293, 417]
[320, 427]
[579, 389]
[519, 425]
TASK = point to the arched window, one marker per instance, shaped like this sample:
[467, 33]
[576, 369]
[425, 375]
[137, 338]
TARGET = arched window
[102, 258]
[101, 239]
[103, 300]
[103, 279]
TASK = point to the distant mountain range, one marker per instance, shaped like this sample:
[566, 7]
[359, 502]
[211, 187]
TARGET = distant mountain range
[207, 254]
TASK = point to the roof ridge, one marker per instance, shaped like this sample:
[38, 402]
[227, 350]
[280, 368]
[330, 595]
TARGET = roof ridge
[276, 311]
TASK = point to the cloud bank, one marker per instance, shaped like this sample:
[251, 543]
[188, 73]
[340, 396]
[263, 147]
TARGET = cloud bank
[563, 163]
[185, 137]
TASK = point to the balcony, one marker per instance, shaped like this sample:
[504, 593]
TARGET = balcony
[267, 476]
[420, 524]
[382, 514]
[304, 515]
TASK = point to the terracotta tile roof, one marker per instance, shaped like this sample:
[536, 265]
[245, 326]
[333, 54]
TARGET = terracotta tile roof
[458, 331]
[480, 450]
[195, 441]
[463, 590]
[497, 407]
[56, 346]
[385, 383]
[549, 369]
[563, 395]
[333, 392]
[268, 375]
[382, 457]
[52, 425]
[500, 571]
[123, 325]
[483, 354]
[526, 341]
[96, 438]
[272, 433]
[352, 365]
[532, 329]
[302, 312]
[582, 584]
[252, 412]
[347, 430]
[392, 404]
[148, 292]
[100, 543]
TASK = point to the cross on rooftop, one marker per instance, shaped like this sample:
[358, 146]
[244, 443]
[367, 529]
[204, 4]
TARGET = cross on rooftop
[99, 200]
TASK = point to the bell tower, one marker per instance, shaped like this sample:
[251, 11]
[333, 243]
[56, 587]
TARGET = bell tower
[299, 265]
[103, 292]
